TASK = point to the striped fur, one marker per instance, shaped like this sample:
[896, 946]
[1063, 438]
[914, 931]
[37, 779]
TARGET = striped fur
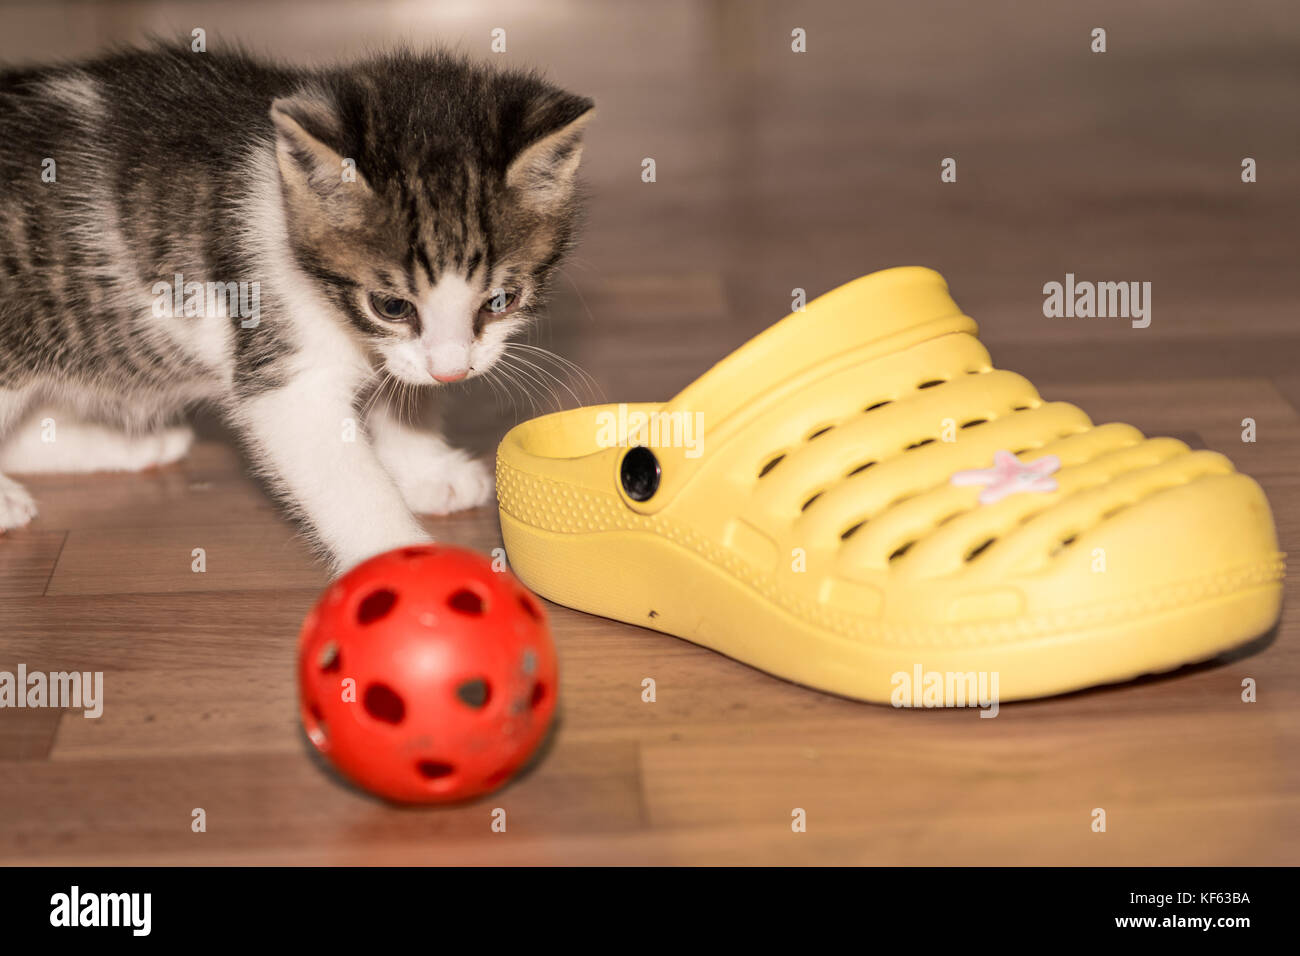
[416, 176]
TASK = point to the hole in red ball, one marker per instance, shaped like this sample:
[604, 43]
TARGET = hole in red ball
[539, 695]
[475, 692]
[330, 659]
[376, 605]
[383, 703]
[416, 552]
[529, 604]
[434, 769]
[466, 601]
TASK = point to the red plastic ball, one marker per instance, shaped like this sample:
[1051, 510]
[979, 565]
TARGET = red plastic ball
[425, 676]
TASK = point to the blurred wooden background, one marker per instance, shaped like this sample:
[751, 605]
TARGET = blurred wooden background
[775, 171]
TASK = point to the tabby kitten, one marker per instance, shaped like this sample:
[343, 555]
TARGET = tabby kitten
[181, 227]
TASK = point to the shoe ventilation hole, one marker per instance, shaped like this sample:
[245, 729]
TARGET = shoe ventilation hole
[860, 469]
[770, 465]
[466, 602]
[1021, 408]
[329, 660]
[809, 502]
[530, 606]
[434, 769]
[1062, 545]
[919, 444]
[375, 606]
[475, 693]
[900, 551]
[820, 432]
[975, 552]
[872, 408]
[974, 421]
[383, 703]
[849, 532]
[1039, 445]
[539, 695]
[932, 383]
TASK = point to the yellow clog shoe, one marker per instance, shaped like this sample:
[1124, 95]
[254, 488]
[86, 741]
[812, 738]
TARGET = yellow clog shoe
[856, 496]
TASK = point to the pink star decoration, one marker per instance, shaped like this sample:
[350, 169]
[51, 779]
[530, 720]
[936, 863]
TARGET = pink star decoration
[1010, 475]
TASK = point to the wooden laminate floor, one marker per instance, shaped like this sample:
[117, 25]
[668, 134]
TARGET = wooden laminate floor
[774, 170]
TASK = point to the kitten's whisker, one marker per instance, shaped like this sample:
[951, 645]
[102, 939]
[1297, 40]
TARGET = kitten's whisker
[499, 389]
[543, 379]
[392, 388]
[544, 374]
[588, 380]
[492, 384]
[411, 395]
[537, 395]
[581, 297]
[374, 397]
[515, 376]
[573, 373]
[508, 380]
[399, 403]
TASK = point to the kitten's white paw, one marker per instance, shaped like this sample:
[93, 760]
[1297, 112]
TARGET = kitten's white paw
[452, 482]
[344, 560]
[16, 506]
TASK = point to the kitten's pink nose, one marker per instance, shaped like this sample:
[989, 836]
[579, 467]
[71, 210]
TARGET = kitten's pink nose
[449, 362]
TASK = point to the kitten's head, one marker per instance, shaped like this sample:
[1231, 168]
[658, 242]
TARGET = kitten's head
[430, 200]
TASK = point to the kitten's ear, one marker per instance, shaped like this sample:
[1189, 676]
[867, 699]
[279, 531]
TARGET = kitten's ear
[305, 126]
[545, 169]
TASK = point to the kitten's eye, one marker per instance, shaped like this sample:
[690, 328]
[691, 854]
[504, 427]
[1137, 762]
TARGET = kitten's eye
[390, 307]
[500, 302]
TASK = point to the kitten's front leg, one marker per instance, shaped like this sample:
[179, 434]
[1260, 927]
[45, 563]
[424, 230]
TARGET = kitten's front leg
[434, 477]
[305, 437]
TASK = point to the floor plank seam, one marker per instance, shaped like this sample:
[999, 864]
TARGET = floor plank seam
[55, 566]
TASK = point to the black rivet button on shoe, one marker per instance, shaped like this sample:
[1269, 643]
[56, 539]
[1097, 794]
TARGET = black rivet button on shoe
[640, 473]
